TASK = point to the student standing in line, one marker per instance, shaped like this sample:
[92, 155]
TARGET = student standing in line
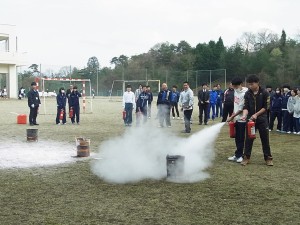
[285, 113]
[297, 112]
[61, 100]
[128, 105]
[220, 99]
[203, 103]
[290, 107]
[228, 103]
[276, 111]
[174, 101]
[148, 89]
[33, 103]
[164, 106]
[74, 104]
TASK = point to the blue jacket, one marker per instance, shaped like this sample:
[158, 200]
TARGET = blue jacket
[285, 98]
[213, 97]
[164, 97]
[143, 99]
[220, 97]
[276, 102]
[175, 97]
[74, 98]
[61, 100]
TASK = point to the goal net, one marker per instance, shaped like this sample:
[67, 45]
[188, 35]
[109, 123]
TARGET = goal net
[49, 90]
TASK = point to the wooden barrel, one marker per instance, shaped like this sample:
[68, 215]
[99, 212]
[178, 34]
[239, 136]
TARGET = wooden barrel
[32, 135]
[83, 147]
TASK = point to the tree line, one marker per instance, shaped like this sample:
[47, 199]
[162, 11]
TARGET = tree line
[275, 58]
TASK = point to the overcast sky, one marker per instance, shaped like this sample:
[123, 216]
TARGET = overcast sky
[68, 32]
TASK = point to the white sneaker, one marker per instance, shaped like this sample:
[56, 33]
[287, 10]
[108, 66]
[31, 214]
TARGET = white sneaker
[289, 132]
[232, 158]
[239, 160]
[298, 133]
[294, 132]
[270, 130]
[178, 118]
[173, 118]
[278, 130]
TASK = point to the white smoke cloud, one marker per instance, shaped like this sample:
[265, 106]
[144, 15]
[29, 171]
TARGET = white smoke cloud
[141, 154]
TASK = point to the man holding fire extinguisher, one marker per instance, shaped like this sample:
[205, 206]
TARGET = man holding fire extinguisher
[239, 126]
[257, 102]
[61, 100]
[74, 105]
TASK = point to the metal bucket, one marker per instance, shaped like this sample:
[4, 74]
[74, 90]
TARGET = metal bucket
[32, 135]
[175, 165]
[83, 147]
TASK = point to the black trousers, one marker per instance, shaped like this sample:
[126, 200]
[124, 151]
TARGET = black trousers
[175, 106]
[262, 126]
[187, 119]
[76, 113]
[33, 114]
[274, 115]
[203, 108]
[240, 131]
[227, 111]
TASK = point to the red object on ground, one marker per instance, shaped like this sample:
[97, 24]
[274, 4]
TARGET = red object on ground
[251, 129]
[71, 113]
[21, 119]
[232, 129]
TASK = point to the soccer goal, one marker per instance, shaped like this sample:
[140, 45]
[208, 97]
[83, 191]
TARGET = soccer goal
[84, 87]
[121, 84]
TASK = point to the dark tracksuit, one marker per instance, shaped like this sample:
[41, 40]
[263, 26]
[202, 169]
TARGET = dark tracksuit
[164, 107]
[174, 102]
[141, 104]
[149, 103]
[228, 103]
[33, 99]
[285, 112]
[219, 105]
[276, 112]
[254, 103]
[61, 100]
[74, 103]
[271, 94]
[68, 93]
[203, 96]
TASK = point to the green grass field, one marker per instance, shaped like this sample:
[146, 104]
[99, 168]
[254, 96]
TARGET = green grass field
[72, 194]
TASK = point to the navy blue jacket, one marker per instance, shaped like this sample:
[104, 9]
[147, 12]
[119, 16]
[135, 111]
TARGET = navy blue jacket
[276, 102]
[61, 100]
[33, 98]
[142, 100]
[164, 97]
[285, 98]
[220, 97]
[74, 98]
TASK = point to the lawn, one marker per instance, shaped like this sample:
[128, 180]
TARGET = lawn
[72, 194]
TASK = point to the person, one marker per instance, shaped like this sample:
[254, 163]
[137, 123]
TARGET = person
[275, 108]
[174, 101]
[255, 109]
[74, 104]
[4, 92]
[128, 105]
[148, 89]
[93, 93]
[212, 102]
[186, 101]
[240, 125]
[228, 103]
[61, 101]
[68, 93]
[203, 103]
[137, 94]
[163, 105]
[297, 112]
[33, 103]
[290, 108]
[285, 114]
[271, 93]
[19, 93]
[142, 105]
[219, 103]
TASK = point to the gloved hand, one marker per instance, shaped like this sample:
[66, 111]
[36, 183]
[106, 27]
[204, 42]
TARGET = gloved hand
[32, 105]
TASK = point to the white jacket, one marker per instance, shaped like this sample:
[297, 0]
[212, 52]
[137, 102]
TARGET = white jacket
[290, 104]
[239, 101]
[297, 107]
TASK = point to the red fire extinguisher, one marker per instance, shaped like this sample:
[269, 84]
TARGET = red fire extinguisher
[232, 129]
[124, 115]
[61, 115]
[251, 129]
[71, 112]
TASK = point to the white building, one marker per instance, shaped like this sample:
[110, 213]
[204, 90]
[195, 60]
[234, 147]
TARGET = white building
[10, 59]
